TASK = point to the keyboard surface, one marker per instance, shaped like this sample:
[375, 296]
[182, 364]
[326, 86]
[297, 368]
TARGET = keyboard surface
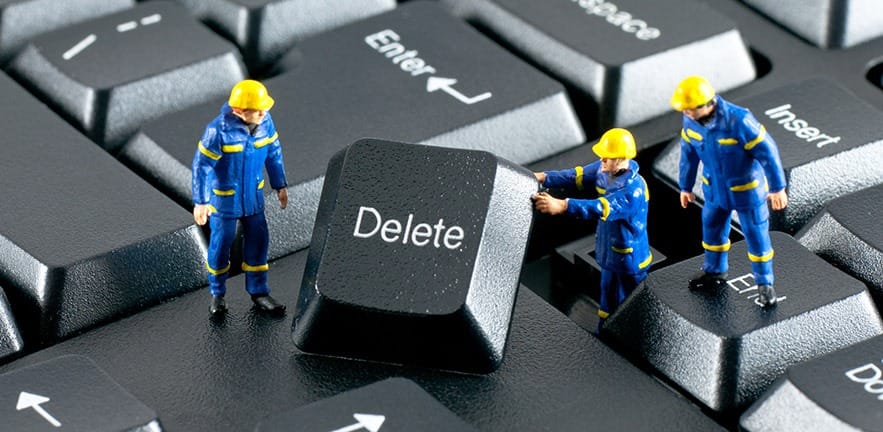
[102, 271]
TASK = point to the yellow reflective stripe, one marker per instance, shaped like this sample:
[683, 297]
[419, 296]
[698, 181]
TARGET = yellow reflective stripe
[579, 177]
[745, 187]
[717, 248]
[217, 272]
[208, 153]
[762, 258]
[684, 136]
[605, 208]
[228, 192]
[262, 142]
[621, 250]
[232, 148]
[728, 141]
[760, 136]
[704, 180]
[646, 190]
[600, 190]
[693, 134]
[646, 262]
[251, 268]
[261, 185]
[212, 209]
[603, 314]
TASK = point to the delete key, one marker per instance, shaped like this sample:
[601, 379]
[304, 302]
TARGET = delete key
[415, 256]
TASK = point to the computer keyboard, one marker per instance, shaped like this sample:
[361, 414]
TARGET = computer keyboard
[104, 314]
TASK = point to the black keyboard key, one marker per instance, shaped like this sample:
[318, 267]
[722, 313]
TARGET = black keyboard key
[837, 392]
[109, 75]
[70, 393]
[626, 55]
[391, 405]
[89, 240]
[194, 371]
[10, 339]
[415, 256]
[848, 234]
[322, 106]
[725, 349]
[827, 23]
[265, 29]
[826, 152]
[24, 19]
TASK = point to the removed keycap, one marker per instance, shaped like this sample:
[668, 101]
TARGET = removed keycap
[827, 23]
[394, 404]
[415, 256]
[625, 55]
[837, 392]
[72, 394]
[109, 75]
[725, 349]
[522, 116]
[828, 141]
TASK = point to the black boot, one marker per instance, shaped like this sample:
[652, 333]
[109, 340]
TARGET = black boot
[268, 304]
[219, 305]
[708, 281]
[767, 295]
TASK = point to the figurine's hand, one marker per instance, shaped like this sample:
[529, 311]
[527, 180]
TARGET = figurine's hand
[200, 213]
[282, 194]
[778, 200]
[548, 204]
[687, 198]
[541, 177]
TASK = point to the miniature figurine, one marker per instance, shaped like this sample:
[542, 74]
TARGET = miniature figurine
[621, 246]
[741, 169]
[228, 181]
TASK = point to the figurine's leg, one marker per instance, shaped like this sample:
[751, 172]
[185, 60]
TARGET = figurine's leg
[628, 283]
[608, 296]
[255, 242]
[715, 238]
[223, 231]
[755, 226]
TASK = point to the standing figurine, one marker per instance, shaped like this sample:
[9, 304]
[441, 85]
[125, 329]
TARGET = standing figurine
[621, 246]
[228, 182]
[741, 169]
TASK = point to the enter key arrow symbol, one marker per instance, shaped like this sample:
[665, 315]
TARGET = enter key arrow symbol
[446, 85]
[29, 400]
[369, 422]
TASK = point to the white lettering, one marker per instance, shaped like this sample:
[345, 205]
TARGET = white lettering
[387, 42]
[362, 211]
[624, 20]
[799, 127]
[745, 284]
[872, 382]
[421, 235]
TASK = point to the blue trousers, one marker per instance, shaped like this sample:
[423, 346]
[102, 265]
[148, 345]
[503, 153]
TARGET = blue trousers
[716, 240]
[255, 242]
[615, 287]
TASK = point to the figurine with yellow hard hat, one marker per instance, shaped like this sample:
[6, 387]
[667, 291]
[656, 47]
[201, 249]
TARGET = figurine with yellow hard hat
[228, 182]
[621, 246]
[741, 170]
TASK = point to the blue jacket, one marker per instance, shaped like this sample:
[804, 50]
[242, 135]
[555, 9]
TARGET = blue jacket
[621, 242]
[228, 167]
[736, 152]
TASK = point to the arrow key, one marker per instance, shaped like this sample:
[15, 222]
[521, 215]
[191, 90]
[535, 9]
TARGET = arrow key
[391, 405]
[72, 394]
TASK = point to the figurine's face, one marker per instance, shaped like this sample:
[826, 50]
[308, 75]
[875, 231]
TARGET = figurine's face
[251, 116]
[699, 112]
[611, 166]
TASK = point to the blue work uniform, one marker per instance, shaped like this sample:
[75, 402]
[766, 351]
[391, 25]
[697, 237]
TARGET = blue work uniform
[740, 165]
[228, 174]
[621, 247]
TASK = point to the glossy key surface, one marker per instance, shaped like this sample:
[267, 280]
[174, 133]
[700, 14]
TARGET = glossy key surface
[826, 23]
[725, 349]
[415, 256]
[110, 74]
[323, 105]
[10, 338]
[828, 142]
[88, 240]
[627, 55]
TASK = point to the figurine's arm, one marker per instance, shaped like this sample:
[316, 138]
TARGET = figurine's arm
[275, 166]
[689, 166]
[574, 178]
[763, 148]
[208, 153]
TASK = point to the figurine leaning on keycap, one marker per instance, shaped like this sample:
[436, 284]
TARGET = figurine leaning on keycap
[741, 169]
[622, 249]
[228, 182]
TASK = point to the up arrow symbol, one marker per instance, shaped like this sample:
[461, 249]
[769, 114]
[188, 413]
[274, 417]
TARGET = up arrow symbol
[29, 400]
[369, 422]
[445, 84]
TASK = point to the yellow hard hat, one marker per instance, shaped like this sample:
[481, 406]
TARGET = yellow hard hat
[250, 94]
[694, 91]
[616, 144]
